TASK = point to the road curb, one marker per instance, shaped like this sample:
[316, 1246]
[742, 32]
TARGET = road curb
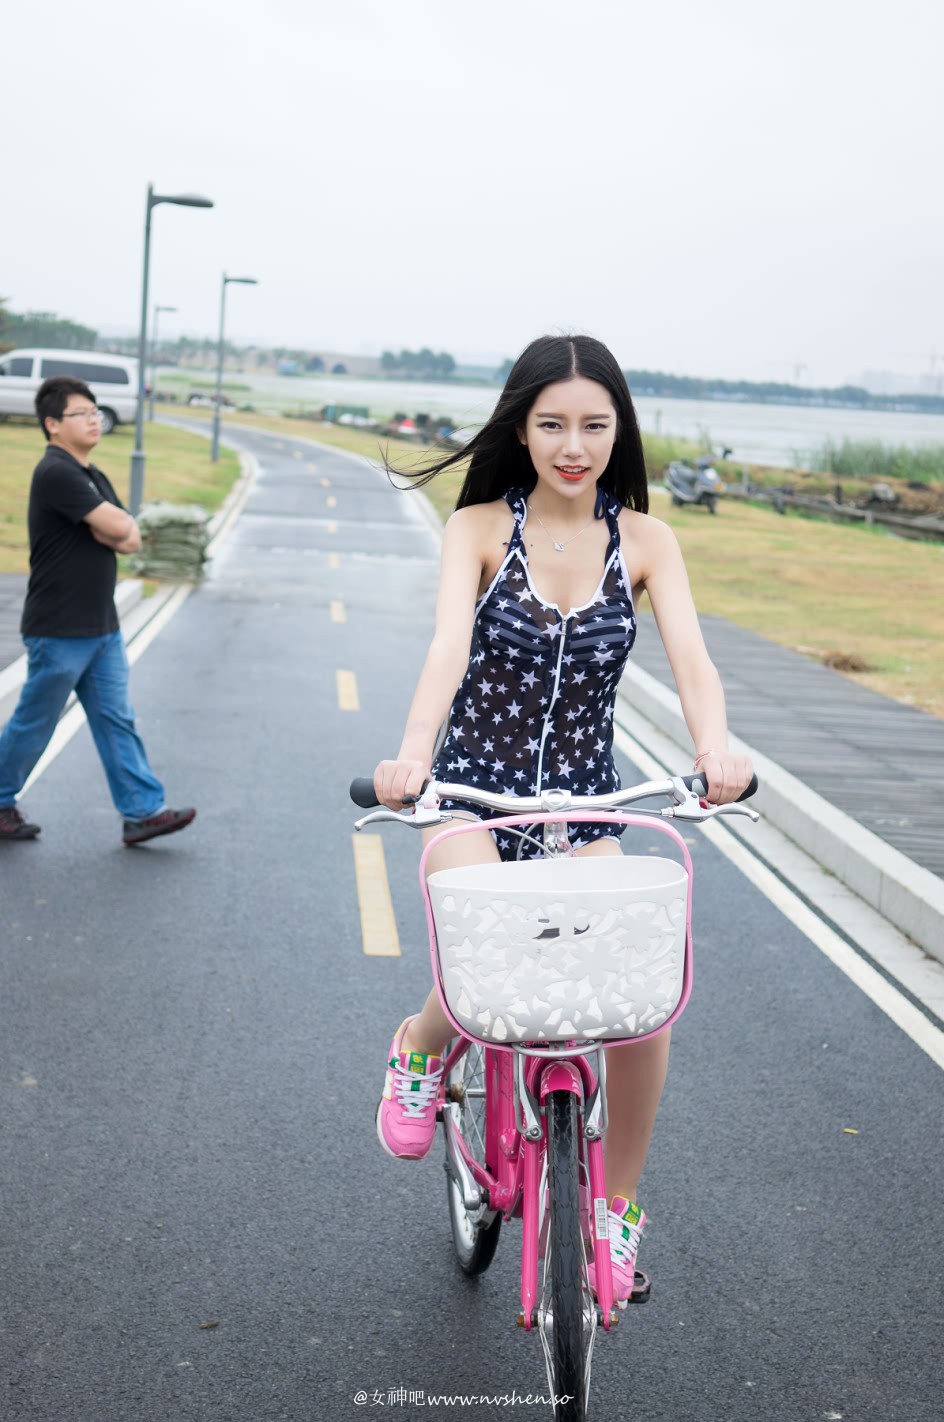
[909, 896]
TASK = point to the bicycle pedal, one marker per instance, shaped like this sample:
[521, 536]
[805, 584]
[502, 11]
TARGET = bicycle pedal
[641, 1288]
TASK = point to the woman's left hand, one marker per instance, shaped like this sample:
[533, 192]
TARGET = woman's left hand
[727, 775]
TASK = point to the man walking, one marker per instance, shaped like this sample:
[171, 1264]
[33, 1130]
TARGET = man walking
[70, 626]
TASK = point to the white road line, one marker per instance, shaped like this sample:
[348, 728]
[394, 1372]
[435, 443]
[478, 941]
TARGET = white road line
[886, 997]
[74, 719]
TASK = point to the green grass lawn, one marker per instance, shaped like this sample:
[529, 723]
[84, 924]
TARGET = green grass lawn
[178, 468]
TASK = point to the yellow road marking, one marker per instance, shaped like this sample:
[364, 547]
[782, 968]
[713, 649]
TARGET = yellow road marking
[297, 454]
[325, 483]
[334, 561]
[332, 528]
[348, 699]
[337, 612]
[378, 924]
[331, 501]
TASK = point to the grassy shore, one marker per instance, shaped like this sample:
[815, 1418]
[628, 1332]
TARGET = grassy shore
[178, 469]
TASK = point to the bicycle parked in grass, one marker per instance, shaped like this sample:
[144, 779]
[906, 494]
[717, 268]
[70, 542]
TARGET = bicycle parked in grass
[538, 964]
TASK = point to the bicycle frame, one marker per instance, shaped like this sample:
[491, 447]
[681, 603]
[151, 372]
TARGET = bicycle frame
[518, 1080]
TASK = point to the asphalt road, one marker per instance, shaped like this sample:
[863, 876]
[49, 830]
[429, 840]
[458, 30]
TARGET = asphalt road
[192, 1044]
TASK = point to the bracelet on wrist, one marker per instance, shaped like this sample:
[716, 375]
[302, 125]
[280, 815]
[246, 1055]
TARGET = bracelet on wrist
[703, 756]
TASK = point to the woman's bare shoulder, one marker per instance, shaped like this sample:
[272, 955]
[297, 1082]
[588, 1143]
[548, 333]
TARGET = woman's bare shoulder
[646, 530]
[481, 520]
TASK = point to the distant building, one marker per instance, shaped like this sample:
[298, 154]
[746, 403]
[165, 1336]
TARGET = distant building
[353, 364]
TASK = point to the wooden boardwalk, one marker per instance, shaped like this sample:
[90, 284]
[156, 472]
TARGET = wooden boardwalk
[879, 761]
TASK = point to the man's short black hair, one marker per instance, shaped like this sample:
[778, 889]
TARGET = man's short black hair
[52, 397]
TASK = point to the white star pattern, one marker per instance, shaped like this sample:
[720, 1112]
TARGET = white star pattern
[565, 700]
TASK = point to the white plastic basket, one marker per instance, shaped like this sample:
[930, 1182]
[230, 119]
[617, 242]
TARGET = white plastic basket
[552, 950]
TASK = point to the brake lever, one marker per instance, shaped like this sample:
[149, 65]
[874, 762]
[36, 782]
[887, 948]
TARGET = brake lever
[700, 811]
[418, 816]
[378, 815]
[736, 809]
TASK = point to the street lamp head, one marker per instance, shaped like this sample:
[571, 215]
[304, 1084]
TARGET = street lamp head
[244, 281]
[165, 308]
[181, 199]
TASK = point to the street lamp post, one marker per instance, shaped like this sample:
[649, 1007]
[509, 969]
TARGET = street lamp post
[137, 457]
[242, 281]
[157, 311]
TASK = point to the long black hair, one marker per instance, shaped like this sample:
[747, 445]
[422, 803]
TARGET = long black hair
[499, 461]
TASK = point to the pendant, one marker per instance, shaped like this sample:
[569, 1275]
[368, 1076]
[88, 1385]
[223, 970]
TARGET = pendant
[558, 546]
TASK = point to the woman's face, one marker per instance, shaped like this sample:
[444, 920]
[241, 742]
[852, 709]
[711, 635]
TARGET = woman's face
[570, 432]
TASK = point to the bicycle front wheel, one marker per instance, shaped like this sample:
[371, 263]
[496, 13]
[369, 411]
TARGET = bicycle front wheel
[569, 1338]
[475, 1228]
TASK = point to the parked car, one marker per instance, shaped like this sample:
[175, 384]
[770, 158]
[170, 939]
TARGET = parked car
[113, 380]
[197, 399]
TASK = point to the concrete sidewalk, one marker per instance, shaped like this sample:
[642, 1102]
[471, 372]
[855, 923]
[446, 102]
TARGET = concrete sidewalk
[855, 779]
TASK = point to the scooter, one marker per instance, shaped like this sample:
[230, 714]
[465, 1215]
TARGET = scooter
[699, 485]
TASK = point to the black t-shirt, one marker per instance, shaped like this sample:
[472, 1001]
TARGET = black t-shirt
[71, 590]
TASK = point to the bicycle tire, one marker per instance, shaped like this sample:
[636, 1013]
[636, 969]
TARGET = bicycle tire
[565, 1258]
[474, 1232]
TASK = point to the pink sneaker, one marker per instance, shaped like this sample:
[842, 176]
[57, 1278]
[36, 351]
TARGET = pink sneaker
[626, 1223]
[406, 1116]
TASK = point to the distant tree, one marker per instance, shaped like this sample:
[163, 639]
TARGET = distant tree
[339, 368]
[45, 328]
[314, 363]
[504, 370]
[388, 361]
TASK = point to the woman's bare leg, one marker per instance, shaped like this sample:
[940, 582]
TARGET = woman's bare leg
[431, 1029]
[635, 1076]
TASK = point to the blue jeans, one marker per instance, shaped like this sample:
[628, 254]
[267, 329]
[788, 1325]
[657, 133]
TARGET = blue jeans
[96, 669]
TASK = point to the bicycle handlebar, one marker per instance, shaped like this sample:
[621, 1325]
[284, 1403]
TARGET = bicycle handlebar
[363, 794]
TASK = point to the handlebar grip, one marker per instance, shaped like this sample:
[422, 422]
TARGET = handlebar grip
[699, 785]
[363, 793]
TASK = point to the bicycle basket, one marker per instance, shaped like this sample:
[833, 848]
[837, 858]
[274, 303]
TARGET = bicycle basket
[552, 950]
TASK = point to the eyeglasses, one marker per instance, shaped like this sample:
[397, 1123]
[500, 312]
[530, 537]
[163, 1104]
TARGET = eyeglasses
[83, 415]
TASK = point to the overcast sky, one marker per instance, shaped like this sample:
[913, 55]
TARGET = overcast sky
[713, 187]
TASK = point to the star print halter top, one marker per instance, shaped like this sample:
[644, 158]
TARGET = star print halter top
[535, 708]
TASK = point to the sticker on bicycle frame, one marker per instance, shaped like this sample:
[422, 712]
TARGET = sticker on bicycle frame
[600, 1212]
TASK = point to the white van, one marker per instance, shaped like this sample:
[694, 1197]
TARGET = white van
[113, 380]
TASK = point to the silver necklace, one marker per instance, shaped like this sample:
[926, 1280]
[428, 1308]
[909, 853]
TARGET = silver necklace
[559, 546]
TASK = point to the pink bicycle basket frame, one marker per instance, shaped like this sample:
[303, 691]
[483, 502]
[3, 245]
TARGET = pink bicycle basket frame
[513, 967]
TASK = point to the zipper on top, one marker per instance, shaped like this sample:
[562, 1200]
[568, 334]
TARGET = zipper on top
[565, 619]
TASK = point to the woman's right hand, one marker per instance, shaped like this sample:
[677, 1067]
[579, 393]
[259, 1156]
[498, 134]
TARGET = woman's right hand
[394, 779]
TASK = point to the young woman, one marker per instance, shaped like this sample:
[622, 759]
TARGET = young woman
[543, 561]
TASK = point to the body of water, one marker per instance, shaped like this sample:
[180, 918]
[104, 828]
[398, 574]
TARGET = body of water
[780, 435]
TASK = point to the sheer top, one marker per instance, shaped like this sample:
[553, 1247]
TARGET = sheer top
[535, 707]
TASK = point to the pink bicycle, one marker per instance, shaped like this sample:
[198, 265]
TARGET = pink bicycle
[538, 964]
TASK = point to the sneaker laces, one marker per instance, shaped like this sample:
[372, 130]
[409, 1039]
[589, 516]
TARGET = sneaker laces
[623, 1251]
[415, 1093]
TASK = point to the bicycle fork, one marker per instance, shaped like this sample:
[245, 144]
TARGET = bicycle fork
[534, 1079]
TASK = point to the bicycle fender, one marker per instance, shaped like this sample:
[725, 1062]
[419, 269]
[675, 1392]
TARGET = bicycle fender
[560, 1076]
